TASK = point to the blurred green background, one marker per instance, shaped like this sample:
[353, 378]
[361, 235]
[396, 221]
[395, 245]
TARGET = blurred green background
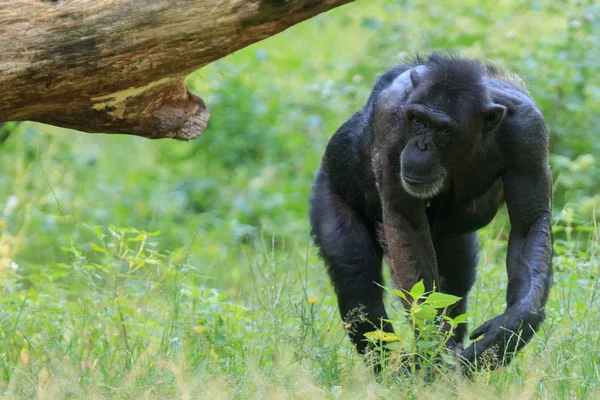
[231, 206]
[274, 106]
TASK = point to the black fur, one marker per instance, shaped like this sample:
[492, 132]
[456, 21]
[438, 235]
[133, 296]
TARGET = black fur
[440, 145]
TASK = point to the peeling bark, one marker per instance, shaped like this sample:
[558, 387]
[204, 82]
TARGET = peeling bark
[118, 66]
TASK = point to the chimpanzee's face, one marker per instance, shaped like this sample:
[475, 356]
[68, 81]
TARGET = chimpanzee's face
[434, 139]
[443, 128]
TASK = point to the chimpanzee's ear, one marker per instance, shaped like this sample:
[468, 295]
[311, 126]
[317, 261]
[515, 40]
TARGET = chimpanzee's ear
[414, 77]
[493, 114]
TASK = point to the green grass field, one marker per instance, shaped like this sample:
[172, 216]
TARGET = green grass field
[139, 269]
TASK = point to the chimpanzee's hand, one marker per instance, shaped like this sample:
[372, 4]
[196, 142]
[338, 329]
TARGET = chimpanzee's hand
[502, 337]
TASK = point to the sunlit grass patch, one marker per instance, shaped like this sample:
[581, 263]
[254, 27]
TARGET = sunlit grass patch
[122, 319]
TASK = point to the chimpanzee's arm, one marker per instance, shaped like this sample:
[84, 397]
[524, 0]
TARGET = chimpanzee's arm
[405, 229]
[527, 189]
[409, 249]
[408, 246]
[530, 243]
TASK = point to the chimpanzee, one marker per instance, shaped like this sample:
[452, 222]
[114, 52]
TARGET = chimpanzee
[441, 144]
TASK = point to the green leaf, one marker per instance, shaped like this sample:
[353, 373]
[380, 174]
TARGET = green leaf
[400, 294]
[396, 346]
[382, 336]
[448, 359]
[423, 344]
[425, 311]
[421, 323]
[418, 290]
[441, 300]
[99, 249]
[459, 319]
[138, 238]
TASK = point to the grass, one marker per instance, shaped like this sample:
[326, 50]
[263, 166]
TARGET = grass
[147, 324]
[139, 269]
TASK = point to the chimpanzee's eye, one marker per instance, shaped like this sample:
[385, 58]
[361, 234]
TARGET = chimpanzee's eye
[445, 131]
[417, 121]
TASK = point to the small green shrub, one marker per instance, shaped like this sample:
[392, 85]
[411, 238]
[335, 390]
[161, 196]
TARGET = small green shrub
[426, 346]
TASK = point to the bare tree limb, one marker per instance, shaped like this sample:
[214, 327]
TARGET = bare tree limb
[118, 66]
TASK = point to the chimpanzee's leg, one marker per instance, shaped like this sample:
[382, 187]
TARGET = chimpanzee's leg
[353, 258]
[457, 263]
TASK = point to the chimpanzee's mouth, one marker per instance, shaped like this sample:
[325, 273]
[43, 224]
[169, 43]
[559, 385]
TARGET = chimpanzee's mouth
[422, 188]
[412, 179]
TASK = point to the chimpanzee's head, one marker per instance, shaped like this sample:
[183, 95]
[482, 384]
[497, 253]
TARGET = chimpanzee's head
[445, 117]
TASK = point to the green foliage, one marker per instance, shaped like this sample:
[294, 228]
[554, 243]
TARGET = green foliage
[135, 308]
[230, 299]
[431, 330]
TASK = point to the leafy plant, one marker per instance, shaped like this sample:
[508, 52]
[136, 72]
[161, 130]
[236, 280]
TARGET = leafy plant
[432, 328]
